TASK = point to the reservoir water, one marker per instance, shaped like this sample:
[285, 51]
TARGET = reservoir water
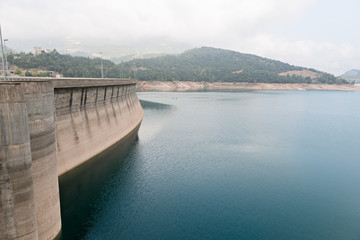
[225, 165]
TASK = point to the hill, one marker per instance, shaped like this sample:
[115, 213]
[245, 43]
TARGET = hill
[211, 64]
[200, 65]
[352, 74]
[67, 65]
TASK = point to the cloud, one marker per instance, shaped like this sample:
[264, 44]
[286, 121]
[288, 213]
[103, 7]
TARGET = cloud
[250, 26]
[322, 55]
[186, 20]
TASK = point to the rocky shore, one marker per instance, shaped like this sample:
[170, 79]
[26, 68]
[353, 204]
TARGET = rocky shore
[168, 86]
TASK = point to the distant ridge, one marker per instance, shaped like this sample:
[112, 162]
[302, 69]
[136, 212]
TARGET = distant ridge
[212, 64]
[203, 64]
[351, 74]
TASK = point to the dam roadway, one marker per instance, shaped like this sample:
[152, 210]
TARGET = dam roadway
[47, 128]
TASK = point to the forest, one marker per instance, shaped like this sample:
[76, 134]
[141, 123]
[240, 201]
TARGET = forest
[199, 64]
[67, 65]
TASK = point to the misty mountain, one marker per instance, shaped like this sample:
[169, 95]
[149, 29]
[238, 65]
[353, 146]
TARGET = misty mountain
[352, 74]
[135, 56]
[116, 51]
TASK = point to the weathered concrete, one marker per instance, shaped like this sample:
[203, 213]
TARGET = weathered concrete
[39, 98]
[91, 119]
[47, 128]
[17, 208]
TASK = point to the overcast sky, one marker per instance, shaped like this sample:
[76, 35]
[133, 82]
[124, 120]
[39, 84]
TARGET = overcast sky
[321, 34]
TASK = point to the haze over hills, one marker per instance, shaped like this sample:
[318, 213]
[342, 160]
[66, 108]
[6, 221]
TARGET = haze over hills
[351, 74]
[112, 50]
[200, 64]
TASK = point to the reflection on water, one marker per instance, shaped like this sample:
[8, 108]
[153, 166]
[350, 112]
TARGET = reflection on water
[154, 105]
[156, 115]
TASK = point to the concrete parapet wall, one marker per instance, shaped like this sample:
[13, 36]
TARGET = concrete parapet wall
[79, 82]
[81, 96]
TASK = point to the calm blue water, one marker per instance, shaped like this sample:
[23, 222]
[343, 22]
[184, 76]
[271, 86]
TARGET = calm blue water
[226, 165]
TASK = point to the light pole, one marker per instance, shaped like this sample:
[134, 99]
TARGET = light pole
[134, 69]
[102, 68]
[2, 54]
[6, 62]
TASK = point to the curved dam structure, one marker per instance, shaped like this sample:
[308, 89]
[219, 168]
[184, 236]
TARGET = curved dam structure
[47, 128]
[92, 117]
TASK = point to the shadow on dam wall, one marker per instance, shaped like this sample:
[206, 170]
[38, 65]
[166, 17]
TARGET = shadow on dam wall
[85, 190]
[88, 147]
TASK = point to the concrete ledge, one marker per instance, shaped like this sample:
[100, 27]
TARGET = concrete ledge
[79, 82]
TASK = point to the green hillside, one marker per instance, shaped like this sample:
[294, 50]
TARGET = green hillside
[211, 64]
[200, 64]
[67, 65]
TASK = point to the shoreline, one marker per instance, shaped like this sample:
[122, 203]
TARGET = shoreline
[183, 86]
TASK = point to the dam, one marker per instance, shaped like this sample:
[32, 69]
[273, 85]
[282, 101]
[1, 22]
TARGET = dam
[47, 128]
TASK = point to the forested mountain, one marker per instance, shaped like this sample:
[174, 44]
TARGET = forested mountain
[200, 64]
[211, 64]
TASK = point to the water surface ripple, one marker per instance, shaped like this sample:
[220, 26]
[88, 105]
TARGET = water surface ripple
[235, 165]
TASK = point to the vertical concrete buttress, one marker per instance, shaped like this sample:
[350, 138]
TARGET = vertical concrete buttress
[39, 97]
[17, 210]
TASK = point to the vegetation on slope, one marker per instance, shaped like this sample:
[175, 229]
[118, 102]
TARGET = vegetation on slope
[200, 64]
[211, 64]
[66, 65]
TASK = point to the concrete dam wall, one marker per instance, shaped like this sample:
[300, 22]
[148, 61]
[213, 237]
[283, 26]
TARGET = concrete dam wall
[47, 128]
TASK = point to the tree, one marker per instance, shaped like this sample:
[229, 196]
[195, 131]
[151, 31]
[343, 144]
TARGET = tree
[18, 71]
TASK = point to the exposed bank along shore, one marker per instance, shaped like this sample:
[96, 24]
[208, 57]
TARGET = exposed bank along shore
[166, 86]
